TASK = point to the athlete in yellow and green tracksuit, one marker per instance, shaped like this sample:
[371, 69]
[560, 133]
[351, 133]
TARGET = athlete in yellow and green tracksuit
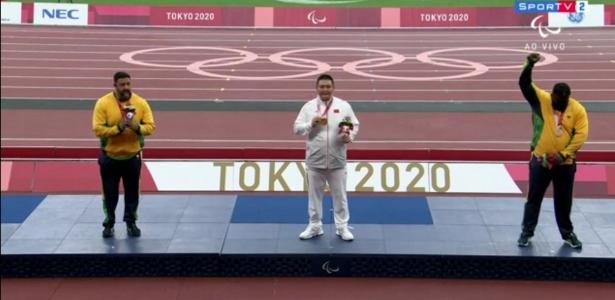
[121, 119]
[560, 129]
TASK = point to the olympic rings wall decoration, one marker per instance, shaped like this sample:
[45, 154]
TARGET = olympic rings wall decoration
[315, 67]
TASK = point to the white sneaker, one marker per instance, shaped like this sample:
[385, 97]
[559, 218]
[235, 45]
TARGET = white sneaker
[311, 231]
[344, 233]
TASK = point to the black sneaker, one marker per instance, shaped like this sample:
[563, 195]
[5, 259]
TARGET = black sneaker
[108, 232]
[572, 241]
[524, 239]
[133, 230]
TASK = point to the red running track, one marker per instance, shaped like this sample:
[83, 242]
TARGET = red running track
[297, 288]
[78, 62]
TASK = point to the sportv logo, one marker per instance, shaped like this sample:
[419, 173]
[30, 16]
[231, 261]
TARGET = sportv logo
[523, 6]
[544, 31]
[61, 14]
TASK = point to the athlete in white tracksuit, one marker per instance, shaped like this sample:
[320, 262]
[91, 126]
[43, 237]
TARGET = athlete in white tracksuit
[320, 120]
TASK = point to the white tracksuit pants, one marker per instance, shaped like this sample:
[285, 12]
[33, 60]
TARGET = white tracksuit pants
[317, 179]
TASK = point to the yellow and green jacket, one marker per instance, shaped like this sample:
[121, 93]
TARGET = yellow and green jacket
[549, 138]
[106, 118]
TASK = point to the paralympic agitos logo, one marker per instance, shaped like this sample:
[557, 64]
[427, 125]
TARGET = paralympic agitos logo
[315, 19]
[543, 31]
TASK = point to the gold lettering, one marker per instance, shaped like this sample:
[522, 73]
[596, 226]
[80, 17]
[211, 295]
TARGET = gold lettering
[277, 176]
[383, 177]
[412, 188]
[223, 165]
[434, 178]
[242, 176]
[370, 171]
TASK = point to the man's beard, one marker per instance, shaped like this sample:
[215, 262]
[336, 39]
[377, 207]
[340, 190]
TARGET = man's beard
[124, 96]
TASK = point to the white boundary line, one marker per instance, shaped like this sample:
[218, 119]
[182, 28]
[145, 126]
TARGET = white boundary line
[106, 78]
[262, 62]
[291, 100]
[293, 141]
[304, 55]
[272, 70]
[230, 90]
[457, 102]
[251, 39]
[271, 31]
[295, 28]
[284, 90]
[132, 47]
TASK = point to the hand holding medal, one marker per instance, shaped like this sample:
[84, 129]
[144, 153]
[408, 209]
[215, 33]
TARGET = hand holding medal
[129, 114]
[319, 120]
[129, 111]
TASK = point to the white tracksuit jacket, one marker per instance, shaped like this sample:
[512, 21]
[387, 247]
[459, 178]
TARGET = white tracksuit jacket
[325, 145]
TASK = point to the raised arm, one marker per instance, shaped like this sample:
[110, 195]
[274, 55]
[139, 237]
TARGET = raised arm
[525, 81]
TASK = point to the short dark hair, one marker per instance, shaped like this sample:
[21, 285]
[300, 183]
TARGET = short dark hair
[119, 75]
[562, 90]
[325, 77]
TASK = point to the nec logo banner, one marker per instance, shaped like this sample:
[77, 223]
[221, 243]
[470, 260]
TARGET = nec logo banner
[526, 7]
[60, 14]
